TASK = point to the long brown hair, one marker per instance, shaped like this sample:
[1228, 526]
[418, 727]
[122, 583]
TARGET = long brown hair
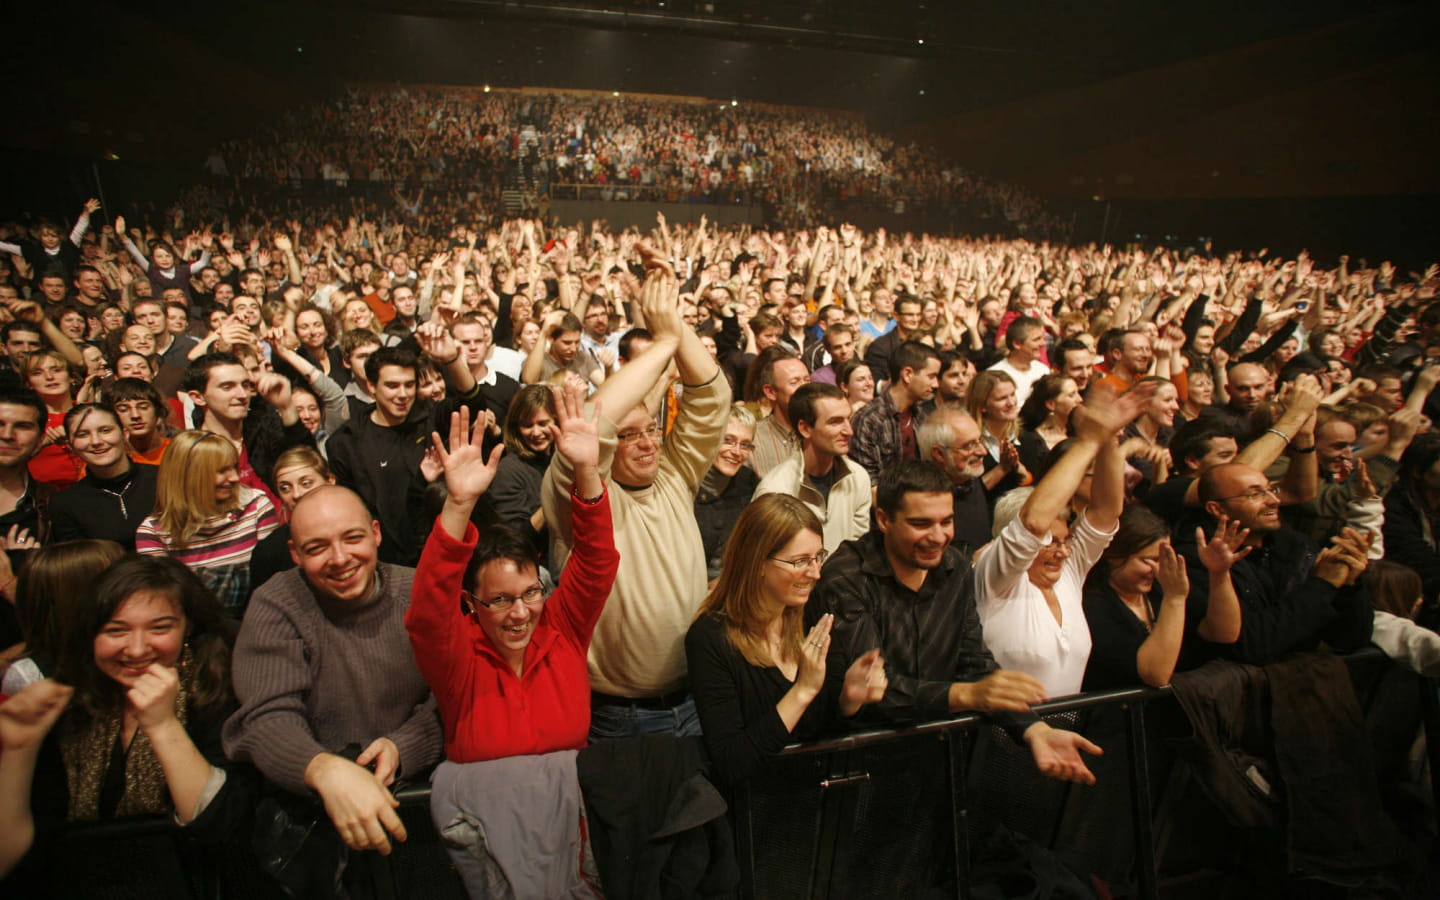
[765, 526]
[52, 575]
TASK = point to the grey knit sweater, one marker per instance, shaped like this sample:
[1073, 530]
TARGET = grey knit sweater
[312, 676]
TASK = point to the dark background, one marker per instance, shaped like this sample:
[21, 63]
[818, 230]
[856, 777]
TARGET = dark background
[1252, 123]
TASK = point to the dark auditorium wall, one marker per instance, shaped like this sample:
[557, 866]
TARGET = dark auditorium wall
[1348, 109]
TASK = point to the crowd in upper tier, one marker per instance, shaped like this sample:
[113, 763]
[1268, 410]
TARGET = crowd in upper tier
[320, 503]
[805, 165]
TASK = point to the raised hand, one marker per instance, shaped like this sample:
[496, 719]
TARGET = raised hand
[436, 342]
[275, 388]
[27, 717]
[1225, 548]
[120, 226]
[1172, 575]
[576, 437]
[811, 671]
[92, 206]
[1362, 488]
[152, 697]
[1104, 414]
[468, 472]
[865, 682]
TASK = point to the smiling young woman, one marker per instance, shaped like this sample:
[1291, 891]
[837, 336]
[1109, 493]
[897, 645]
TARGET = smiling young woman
[115, 495]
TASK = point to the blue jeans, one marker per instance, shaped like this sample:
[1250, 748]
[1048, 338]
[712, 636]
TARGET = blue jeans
[610, 722]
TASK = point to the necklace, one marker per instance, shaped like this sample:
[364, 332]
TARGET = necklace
[119, 496]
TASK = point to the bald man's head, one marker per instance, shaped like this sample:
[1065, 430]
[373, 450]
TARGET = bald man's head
[1243, 494]
[335, 541]
[1249, 386]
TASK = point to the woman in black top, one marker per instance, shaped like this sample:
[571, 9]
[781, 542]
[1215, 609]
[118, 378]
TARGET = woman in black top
[115, 495]
[515, 493]
[1137, 631]
[758, 678]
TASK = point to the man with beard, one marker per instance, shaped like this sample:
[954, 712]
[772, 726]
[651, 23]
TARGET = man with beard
[820, 475]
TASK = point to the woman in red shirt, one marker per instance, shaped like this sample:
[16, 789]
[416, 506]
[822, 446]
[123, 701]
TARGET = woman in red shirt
[50, 376]
[507, 664]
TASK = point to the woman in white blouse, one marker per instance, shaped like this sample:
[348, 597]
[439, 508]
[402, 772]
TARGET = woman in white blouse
[1030, 578]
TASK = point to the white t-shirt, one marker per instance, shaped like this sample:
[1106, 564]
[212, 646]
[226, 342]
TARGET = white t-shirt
[1024, 381]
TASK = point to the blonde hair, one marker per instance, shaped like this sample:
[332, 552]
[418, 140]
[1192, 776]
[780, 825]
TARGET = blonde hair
[765, 526]
[981, 388]
[185, 485]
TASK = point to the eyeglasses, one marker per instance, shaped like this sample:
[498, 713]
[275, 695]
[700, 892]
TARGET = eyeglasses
[801, 563]
[967, 447]
[502, 602]
[635, 437]
[729, 441]
[1255, 494]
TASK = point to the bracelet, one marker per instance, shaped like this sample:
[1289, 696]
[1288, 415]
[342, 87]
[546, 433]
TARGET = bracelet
[588, 501]
[1279, 432]
[1301, 451]
[449, 361]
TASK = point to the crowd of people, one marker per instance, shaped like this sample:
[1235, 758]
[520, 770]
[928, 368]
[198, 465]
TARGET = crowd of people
[804, 165]
[311, 508]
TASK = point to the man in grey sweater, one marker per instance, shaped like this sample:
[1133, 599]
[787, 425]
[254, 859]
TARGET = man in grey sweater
[323, 662]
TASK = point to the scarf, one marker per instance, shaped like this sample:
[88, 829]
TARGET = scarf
[87, 754]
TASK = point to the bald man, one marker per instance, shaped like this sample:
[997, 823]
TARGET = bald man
[1248, 385]
[1284, 594]
[323, 666]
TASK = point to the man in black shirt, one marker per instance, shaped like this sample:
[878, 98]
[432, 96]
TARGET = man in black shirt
[906, 590]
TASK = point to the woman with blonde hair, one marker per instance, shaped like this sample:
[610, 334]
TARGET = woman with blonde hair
[993, 405]
[50, 375]
[206, 518]
[758, 677]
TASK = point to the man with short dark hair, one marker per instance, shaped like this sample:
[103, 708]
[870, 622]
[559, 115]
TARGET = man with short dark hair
[838, 345]
[1128, 356]
[559, 350]
[1025, 345]
[956, 373]
[885, 427]
[305, 719]
[820, 474]
[172, 349]
[378, 455]
[257, 416]
[24, 501]
[775, 439]
[1076, 361]
[907, 328]
[905, 589]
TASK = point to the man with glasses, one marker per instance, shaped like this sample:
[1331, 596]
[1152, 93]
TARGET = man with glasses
[819, 474]
[907, 328]
[637, 656]
[951, 440]
[1292, 595]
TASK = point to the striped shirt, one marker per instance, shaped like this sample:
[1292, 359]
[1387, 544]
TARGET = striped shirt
[220, 551]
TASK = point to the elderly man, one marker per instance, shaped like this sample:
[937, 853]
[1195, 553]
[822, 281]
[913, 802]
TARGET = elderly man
[637, 656]
[820, 475]
[951, 440]
[323, 666]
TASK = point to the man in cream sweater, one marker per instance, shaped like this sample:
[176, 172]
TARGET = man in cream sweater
[637, 657]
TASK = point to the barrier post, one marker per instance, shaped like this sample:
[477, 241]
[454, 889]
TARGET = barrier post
[1140, 799]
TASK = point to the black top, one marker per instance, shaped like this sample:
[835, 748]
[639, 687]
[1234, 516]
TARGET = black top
[108, 509]
[718, 503]
[1116, 635]
[736, 702]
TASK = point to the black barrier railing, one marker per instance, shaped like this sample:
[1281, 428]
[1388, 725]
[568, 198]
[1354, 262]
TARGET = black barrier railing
[801, 826]
[956, 734]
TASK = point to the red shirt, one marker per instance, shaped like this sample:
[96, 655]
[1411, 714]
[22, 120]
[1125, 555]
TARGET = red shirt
[488, 711]
[55, 464]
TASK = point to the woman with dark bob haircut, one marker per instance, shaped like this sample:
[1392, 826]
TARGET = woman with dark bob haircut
[515, 493]
[145, 669]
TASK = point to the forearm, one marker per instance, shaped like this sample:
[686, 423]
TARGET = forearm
[1155, 660]
[1058, 486]
[1107, 490]
[1223, 619]
[186, 771]
[793, 705]
[62, 344]
[17, 825]
[626, 389]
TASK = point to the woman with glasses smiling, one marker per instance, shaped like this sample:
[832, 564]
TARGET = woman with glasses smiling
[759, 678]
[507, 665]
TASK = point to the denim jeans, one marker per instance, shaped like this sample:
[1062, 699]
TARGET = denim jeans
[610, 722]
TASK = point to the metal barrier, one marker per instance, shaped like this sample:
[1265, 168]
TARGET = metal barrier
[809, 825]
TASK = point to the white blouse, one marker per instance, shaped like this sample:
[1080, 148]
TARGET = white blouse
[1020, 631]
